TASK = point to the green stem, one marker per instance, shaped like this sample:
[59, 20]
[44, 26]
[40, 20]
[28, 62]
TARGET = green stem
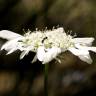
[46, 80]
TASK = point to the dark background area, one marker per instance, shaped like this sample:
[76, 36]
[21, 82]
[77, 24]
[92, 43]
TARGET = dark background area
[72, 77]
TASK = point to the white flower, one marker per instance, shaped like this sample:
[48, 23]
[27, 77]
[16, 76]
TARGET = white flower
[48, 44]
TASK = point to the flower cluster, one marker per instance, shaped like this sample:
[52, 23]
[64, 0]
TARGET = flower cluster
[48, 44]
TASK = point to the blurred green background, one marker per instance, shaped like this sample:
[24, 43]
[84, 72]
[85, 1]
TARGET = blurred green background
[72, 77]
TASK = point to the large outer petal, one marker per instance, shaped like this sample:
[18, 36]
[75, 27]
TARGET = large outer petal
[46, 57]
[84, 41]
[86, 58]
[11, 44]
[9, 35]
[40, 53]
[85, 48]
[82, 54]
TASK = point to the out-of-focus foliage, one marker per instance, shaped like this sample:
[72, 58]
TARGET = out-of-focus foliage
[79, 16]
[70, 78]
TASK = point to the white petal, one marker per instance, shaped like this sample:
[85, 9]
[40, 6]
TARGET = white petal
[90, 48]
[25, 52]
[54, 52]
[9, 35]
[34, 59]
[78, 51]
[85, 41]
[59, 61]
[40, 53]
[93, 49]
[10, 44]
[85, 47]
[11, 51]
[46, 57]
[86, 58]
[82, 54]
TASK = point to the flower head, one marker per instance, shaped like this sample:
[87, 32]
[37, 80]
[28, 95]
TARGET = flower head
[58, 38]
[47, 45]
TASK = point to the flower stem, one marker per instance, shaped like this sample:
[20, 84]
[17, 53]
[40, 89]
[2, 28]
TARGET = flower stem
[46, 80]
